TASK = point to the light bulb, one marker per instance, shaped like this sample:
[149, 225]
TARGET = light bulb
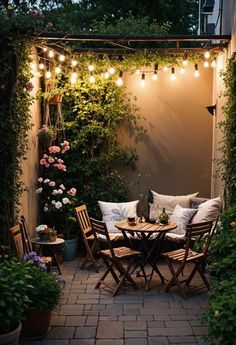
[92, 79]
[206, 64]
[57, 70]
[155, 76]
[119, 81]
[213, 63]
[33, 66]
[196, 72]
[173, 76]
[165, 68]
[207, 55]
[185, 62]
[106, 75]
[182, 70]
[74, 63]
[62, 58]
[111, 70]
[45, 49]
[73, 78]
[48, 74]
[51, 54]
[142, 82]
[137, 71]
[91, 68]
[41, 66]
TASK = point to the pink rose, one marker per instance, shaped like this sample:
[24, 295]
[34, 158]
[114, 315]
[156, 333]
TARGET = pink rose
[52, 184]
[51, 159]
[72, 191]
[45, 155]
[54, 149]
[60, 161]
[47, 165]
[43, 161]
[55, 165]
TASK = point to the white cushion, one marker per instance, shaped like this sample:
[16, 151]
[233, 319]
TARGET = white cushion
[113, 212]
[181, 216]
[209, 210]
[170, 201]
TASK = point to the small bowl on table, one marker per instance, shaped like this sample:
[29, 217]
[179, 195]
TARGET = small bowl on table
[131, 220]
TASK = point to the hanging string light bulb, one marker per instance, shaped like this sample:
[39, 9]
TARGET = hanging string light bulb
[92, 78]
[173, 76]
[62, 58]
[155, 75]
[185, 59]
[137, 71]
[213, 63]
[73, 78]
[74, 63]
[207, 54]
[111, 70]
[51, 54]
[41, 66]
[119, 81]
[58, 70]
[48, 74]
[196, 72]
[206, 64]
[91, 67]
[165, 68]
[142, 82]
[106, 75]
[182, 70]
[44, 49]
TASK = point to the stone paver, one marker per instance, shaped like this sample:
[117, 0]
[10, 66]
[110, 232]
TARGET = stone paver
[89, 316]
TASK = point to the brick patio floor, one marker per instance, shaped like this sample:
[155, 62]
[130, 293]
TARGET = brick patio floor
[88, 316]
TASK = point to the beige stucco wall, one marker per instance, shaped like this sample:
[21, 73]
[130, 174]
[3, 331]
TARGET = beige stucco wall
[175, 153]
[30, 166]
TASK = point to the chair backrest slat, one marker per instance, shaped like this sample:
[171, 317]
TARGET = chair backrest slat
[26, 237]
[16, 234]
[100, 228]
[199, 232]
[83, 220]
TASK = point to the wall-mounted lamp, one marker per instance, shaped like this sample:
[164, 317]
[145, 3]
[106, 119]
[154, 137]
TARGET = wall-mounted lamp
[211, 109]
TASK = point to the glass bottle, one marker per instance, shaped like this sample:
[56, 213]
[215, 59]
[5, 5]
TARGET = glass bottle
[164, 218]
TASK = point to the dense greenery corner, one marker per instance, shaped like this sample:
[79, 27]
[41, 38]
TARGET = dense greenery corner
[221, 315]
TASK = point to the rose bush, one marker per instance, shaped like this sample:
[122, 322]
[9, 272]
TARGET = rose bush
[57, 201]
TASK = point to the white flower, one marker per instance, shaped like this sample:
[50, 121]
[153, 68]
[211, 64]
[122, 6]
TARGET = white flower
[66, 201]
[54, 192]
[58, 204]
[45, 209]
[53, 202]
[39, 190]
[62, 186]
[41, 228]
[46, 180]
[40, 179]
[60, 191]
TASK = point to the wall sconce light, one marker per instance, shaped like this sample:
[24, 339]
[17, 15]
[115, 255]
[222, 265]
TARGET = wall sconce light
[211, 109]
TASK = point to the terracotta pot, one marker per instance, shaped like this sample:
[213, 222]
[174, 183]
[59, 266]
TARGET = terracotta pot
[36, 323]
[53, 238]
[11, 338]
[55, 99]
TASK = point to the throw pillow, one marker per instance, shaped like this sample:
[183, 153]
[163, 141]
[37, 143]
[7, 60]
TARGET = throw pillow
[181, 216]
[170, 201]
[209, 210]
[113, 212]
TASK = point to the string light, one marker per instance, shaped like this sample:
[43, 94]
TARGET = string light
[213, 63]
[45, 49]
[48, 74]
[119, 81]
[73, 78]
[142, 82]
[62, 58]
[173, 76]
[196, 72]
[155, 76]
[111, 70]
[137, 71]
[41, 66]
[57, 70]
[165, 68]
[74, 63]
[182, 70]
[207, 55]
[185, 60]
[206, 64]
[92, 79]
[51, 54]
[91, 68]
[106, 75]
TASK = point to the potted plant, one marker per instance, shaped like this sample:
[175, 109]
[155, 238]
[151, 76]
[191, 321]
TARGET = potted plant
[44, 297]
[46, 136]
[43, 232]
[15, 281]
[53, 234]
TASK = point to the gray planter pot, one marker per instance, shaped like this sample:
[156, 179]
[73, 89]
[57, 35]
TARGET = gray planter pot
[71, 249]
[11, 338]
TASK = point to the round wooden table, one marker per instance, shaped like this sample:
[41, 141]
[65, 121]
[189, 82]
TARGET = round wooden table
[51, 246]
[145, 232]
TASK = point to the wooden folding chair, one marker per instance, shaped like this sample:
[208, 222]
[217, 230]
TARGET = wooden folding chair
[112, 258]
[88, 237]
[200, 234]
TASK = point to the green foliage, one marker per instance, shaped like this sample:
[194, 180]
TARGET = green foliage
[227, 164]
[15, 282]
[221, 314]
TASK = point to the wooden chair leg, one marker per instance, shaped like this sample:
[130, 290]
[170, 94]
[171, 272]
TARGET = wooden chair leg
[89, 256]
[202, 275]
[175, 280]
